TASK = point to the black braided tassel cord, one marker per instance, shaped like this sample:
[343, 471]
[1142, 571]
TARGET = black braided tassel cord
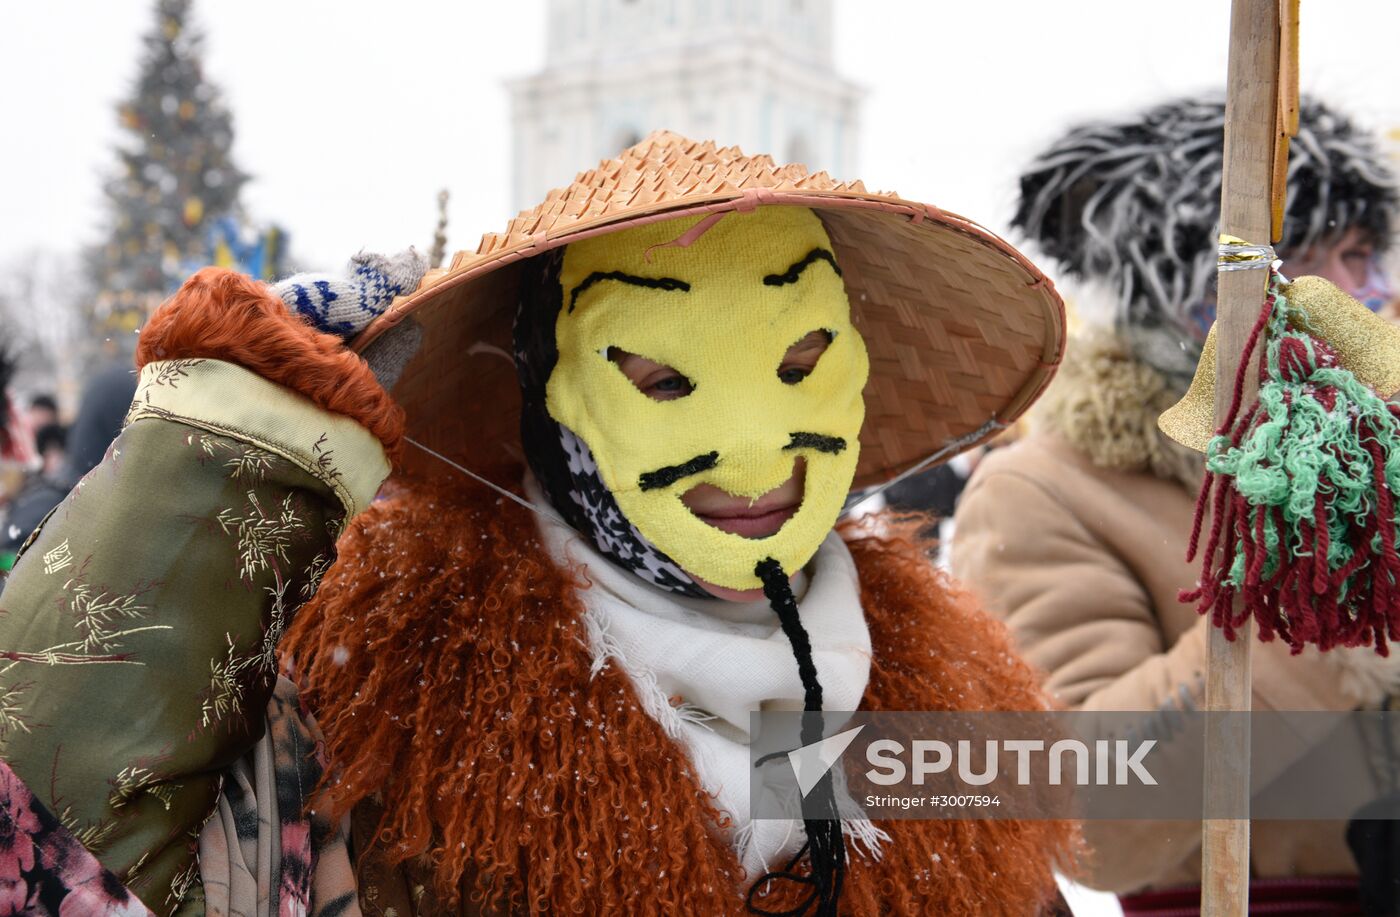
[825, 847]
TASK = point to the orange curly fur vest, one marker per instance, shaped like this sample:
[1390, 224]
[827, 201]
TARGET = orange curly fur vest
[447, 663]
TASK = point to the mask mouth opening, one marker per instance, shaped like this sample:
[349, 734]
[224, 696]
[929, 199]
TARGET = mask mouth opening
[755, 527]
[753, 519]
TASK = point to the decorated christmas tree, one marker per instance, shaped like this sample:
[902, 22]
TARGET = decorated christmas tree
[176, 176]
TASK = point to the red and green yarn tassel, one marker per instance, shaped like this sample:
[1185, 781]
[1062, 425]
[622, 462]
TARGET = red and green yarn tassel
[1301, 492]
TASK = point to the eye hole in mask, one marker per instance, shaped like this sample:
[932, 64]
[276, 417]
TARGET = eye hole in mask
[660, 382]
[801, 358]
[657, 381]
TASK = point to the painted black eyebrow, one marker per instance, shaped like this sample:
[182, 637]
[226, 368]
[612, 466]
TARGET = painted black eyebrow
[794, 272]
[655, 283]
[817, 441]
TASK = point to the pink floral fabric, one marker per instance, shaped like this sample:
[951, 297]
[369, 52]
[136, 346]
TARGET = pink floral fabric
[44, 870]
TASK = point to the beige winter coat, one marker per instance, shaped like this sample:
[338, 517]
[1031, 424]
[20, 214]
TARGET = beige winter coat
[1077, 536]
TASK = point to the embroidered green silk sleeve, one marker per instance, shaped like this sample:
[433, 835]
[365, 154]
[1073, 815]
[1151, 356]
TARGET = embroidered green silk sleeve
[139, 626]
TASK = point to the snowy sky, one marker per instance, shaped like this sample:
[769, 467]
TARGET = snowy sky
[350, 114]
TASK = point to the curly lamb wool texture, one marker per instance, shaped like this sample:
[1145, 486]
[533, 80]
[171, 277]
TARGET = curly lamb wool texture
[1105, 404]
[465, 704]
[1136, 201]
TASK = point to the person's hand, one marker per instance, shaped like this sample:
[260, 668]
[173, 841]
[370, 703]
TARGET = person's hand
[344, 304]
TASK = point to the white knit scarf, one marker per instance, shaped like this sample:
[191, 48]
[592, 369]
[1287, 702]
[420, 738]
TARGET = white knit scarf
[701, 666]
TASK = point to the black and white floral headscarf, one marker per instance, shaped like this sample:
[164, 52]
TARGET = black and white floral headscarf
[560, 460]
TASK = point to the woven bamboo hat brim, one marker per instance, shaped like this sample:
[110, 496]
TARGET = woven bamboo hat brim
[963, 332]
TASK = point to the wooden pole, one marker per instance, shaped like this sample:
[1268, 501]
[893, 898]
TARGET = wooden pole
[1251, 112]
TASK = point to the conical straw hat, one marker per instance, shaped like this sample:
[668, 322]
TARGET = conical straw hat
[963, 332]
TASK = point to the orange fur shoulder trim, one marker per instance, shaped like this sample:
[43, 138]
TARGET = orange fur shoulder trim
[446, 660]
[220, 314]
[935, 648]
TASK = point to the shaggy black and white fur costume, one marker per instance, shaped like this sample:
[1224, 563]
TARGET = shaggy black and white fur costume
[1135, 203]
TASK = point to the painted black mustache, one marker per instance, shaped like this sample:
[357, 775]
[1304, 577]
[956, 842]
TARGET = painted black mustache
[665, 477]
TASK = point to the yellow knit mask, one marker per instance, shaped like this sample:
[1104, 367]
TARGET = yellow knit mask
[722, 311]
